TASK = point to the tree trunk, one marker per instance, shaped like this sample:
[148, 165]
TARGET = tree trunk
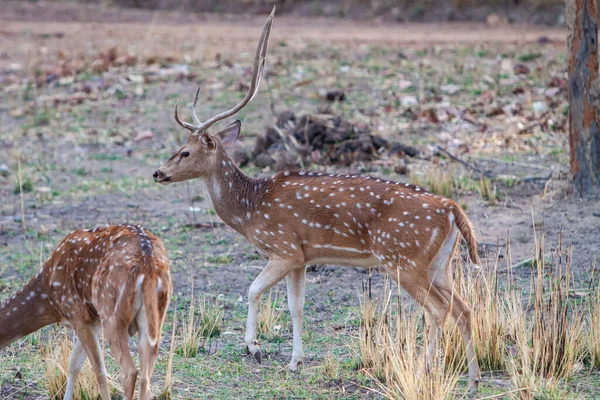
[584, 96]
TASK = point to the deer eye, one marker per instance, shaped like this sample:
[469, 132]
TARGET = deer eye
[185, 154]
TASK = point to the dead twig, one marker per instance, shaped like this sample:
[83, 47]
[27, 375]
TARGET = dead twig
[204, 225]
[536, 178]
[517, 163]
[271, 99]
[487, 174]
[285, 139]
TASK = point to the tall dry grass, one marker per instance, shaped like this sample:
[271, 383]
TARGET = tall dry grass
[592, 327]
[270, 316]
[197, 330]
[391, 352]
[56, 354]
[532, 330]
[166, 393]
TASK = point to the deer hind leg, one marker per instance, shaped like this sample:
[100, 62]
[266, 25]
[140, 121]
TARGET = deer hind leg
[440, 272]
[296, 282]
[118, 341]
[275, 271]
[148, 353]
[436, 306]
[89, 337]
[76, 363]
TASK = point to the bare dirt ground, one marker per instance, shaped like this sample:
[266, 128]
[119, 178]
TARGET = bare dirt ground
[89, 137]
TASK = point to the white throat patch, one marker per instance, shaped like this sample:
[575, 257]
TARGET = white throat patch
[216, 188]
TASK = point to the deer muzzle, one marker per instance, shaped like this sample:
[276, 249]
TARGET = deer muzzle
[160, 177]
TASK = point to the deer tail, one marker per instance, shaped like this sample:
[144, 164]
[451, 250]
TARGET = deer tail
[466, 229]
[150, 291]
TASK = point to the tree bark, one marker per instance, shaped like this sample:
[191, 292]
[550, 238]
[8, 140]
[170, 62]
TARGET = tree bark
[584, 96]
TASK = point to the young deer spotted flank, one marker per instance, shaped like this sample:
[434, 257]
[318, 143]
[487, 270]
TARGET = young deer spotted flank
[116, 278]
[300, 218]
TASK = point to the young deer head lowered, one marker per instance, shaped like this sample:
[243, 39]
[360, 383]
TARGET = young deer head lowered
[300, 218]
[116, 278]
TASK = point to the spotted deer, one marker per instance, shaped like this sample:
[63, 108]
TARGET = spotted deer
[299, 218]
[116, 278]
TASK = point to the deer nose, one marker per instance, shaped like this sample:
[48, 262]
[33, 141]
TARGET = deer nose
[158, 174]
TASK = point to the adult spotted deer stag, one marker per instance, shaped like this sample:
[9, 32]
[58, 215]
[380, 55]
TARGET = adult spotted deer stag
[300, 218]
[116, 278]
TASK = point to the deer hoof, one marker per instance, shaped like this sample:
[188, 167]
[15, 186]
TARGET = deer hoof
[295, 366]
[473, 386]
[258, 356]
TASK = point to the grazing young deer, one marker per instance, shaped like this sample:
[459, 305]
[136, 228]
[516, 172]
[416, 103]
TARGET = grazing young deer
[300, 218]
[116, 278]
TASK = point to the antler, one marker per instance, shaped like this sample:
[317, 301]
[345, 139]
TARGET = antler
[257, 71]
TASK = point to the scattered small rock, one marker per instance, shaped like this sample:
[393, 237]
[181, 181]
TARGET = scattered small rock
[430, 115]
[494, 20]
[240, 157]
[400, 150]
[539, 107]
[551, 92]
[558, 82]
[4, 170]
[408, 101]
[43, 231]
[99, 66]
[263, 160]
[543, 40]
[143, 135]
[401, 168]
[506, 66]
[521, 69]
[332, 94]
[450, 89]
[404, 84]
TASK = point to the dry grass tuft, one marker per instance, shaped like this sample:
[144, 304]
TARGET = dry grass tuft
[197, 331]
[211, 318]
[549, 338]
[166, 392]
[56, 356]
[592, 338]
[534, 331]
[487, 190]
[491, 314]
[437, 180]
[391, 353]
[331, 367]
[190, 340]
[270, 318]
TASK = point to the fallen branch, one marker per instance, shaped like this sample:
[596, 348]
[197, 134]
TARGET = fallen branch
[487, 174]
[518, 163]
[205, 225]
[536, 178]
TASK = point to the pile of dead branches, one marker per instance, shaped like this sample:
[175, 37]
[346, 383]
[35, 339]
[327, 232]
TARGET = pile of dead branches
[323, 139]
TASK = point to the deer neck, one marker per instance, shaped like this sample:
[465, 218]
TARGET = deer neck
[235, 196]
[26, 312]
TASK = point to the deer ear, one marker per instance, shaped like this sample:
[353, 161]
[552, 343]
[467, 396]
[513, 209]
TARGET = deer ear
[231, 133]
[208, 141]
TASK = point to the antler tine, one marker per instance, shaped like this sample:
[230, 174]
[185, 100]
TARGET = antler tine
[194, 108]
[257, 71]
[184, 124]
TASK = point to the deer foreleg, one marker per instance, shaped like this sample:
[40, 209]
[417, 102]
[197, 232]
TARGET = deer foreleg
[76, 363]
[275, 271]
